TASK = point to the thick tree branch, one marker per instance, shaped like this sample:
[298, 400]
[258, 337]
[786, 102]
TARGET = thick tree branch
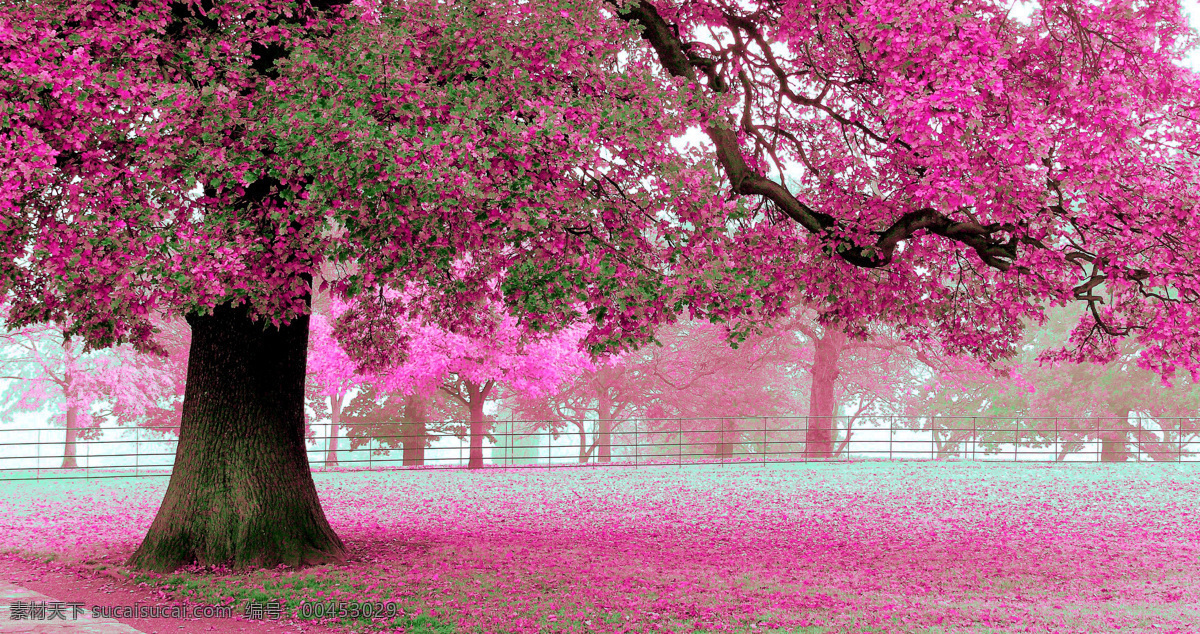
[672, 54]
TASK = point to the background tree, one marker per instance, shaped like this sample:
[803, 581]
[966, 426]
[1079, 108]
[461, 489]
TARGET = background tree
[332, 376]
[1055, 404]
[727, 393]
[598, 400]
[409, 422]
[162, 419]
[834, 133]
[87, 388]
[469, 368]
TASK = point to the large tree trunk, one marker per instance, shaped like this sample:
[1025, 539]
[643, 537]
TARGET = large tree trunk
[478, 394]
[1113, 442]
[241, 492]
[69, 447]
[335, 417]
[413, 430]
[604, 428]
[818, 438]
[727, 436]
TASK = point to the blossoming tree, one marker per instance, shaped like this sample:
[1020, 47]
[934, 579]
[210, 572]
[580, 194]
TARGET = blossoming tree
[1058, 406]
[210, 156]
[46, 369]
[974, 168]
[470, 368]
[955, 170]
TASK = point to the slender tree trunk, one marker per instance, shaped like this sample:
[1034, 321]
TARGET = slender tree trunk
[413, 430]
[1113, 443]
[335, 417]
[583, 444]
[845, 442]
[241, 492]
[604, 428]
[69, 448]
[478, 394]
[818, 439]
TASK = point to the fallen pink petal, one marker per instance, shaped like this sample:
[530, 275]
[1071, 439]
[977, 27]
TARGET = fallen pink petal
[863, 547]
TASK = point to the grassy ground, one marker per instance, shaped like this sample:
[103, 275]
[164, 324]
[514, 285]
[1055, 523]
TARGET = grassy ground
[861, 547]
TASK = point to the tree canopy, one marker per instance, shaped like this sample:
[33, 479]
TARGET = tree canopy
[970, 167]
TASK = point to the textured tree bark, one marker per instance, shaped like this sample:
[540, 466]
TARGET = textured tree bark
[241, 492]
[335, 417]
[69, 447]
[583, 443]
[1113, 442]
[604, 428]
[413, 430]
[818, 438]
[477, 395]
[728, 435]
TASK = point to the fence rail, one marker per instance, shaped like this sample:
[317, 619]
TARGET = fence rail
[140, 451]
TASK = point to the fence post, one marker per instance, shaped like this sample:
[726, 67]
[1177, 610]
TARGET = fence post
[974, 436]
[1099, 441]
[679, 442]
[635, 443]
[38, 462]
[764, 445]
[891, 433]
[137, 450]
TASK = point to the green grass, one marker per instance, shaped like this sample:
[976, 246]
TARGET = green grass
[292, 589]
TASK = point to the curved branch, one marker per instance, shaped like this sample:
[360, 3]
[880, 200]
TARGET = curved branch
[673, 56]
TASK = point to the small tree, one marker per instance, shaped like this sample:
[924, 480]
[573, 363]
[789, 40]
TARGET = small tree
[468, 367]
[410, 422]
[602, 397]
[48, 369]
[696, 375]
[1039, 400]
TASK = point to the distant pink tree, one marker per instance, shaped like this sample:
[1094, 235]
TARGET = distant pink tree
[872, 365]
[470, 366]
[331, 375]
[164, 418]
[617, 387]
[1047, 400]
[698, 376]
[47, 369]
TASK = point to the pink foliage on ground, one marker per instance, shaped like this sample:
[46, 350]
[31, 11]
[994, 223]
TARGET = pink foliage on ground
[891, 546]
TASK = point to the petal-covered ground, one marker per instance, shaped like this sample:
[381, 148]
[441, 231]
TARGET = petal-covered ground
[863, 547]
